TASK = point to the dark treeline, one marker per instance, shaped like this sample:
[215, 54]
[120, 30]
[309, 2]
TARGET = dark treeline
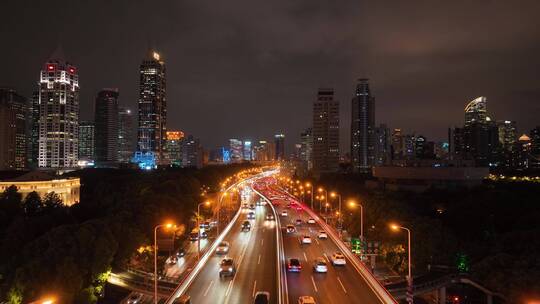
[50, 248]
[494, 225]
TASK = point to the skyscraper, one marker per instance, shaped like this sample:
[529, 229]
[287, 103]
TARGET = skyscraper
[476, 111]
[325, 132]
[58, 114]
[87, 142]
[306, 153]
[126, 135]
[173, 148]
[507, 140]
[248, 153]
[236, 149]
[383, 148]
[192, 153]
[106, 121]
[152, 105]
[279, 141]
[13, 117]
[363, 128]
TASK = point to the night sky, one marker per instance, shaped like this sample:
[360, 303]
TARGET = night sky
[250, 69]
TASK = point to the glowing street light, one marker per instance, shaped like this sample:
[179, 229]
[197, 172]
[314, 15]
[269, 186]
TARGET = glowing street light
[167, 226]
[334, 194]
[311, 187]
[396, 227]
[353, 204]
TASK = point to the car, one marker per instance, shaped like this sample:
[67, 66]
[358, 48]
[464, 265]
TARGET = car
[294, 265]
[311, 221]
[269, 217]
[338, 259]
[306, 300]
[222, 248]
[262, 297]
[204, 225]
[306, 239]
[183, 299]
[322, 235]
[246, 226]
[181, 252]
[320, 265]
[298, 208]
[284, 213]
[204, 235]
[245, 206]
[251, 215]
[135, 298]
[226, 267]
[298, 222]
[251, 206]
[172, 260]
[193, 236]
[290, 229]
[288, 206]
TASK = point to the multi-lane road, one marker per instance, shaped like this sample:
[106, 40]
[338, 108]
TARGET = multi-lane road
[254, 254]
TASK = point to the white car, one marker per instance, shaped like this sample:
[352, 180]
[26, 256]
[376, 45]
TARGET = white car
[306, 239]
[222, 248]
[135, 298]
[338, 259]
[284, 213]
[311, 221]
[320, 265]
[322, 235]
[306, 300]
[290, 229]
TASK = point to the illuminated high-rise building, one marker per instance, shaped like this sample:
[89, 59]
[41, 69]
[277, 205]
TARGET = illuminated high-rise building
[152, 105]
[248, 153]
[279, 141]
[306, 148]
[173, 148]
[87, 142]
[325, 132]
[236, 150]
[106, 131]
[363, 128]
[192, 152]
[126, 135]
[58, 102]
[13, 139]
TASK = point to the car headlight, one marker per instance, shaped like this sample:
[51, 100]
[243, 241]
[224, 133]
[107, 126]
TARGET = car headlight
[230, 268]
[220, 269]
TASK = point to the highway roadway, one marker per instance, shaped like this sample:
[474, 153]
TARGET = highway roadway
[254, 253]
[341, 284]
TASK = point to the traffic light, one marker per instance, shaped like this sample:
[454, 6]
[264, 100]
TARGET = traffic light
[462, 263]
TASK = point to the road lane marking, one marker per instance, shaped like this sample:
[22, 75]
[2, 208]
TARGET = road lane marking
[229, 287]
[259, 261]
[305, 256]
[316, 240]
[314, 285]
[262, 242]
[208, 288]
[343, 287]
[254, 288]
[326, 257]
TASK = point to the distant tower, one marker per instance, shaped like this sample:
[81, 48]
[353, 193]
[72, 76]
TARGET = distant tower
[87, 142]
[13, 130]
[363, 128]
[325, 132]
[58, 102]
[152, 105]
[106, 120]
[126, 135]
[279, 141]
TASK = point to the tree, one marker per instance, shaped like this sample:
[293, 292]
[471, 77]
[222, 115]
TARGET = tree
[10, 201]
[52, 201]
[32, 203]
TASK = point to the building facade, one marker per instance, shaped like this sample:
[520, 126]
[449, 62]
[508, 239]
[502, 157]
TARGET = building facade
[58, 102]
[306, 148]
[126, 135]
[173, 148]
[106, 130]
[152, 105]
[279, 142]
[325, 132]
[236, 150]
[192, 153]
[363, 128]
[13, 130]
[87, 142]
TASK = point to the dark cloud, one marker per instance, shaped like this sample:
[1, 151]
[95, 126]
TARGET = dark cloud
[251, 68]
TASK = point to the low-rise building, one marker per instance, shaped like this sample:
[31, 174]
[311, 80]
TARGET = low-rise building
[67, 188]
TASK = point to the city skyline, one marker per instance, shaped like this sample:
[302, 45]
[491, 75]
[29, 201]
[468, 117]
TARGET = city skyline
[262, 73]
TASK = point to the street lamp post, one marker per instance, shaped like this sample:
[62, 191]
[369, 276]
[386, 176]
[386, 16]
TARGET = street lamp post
[207, 203]
[409, 277]
[353, 204]
[333, 194]
[325, 197]
[311, 187]
[168, 226]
